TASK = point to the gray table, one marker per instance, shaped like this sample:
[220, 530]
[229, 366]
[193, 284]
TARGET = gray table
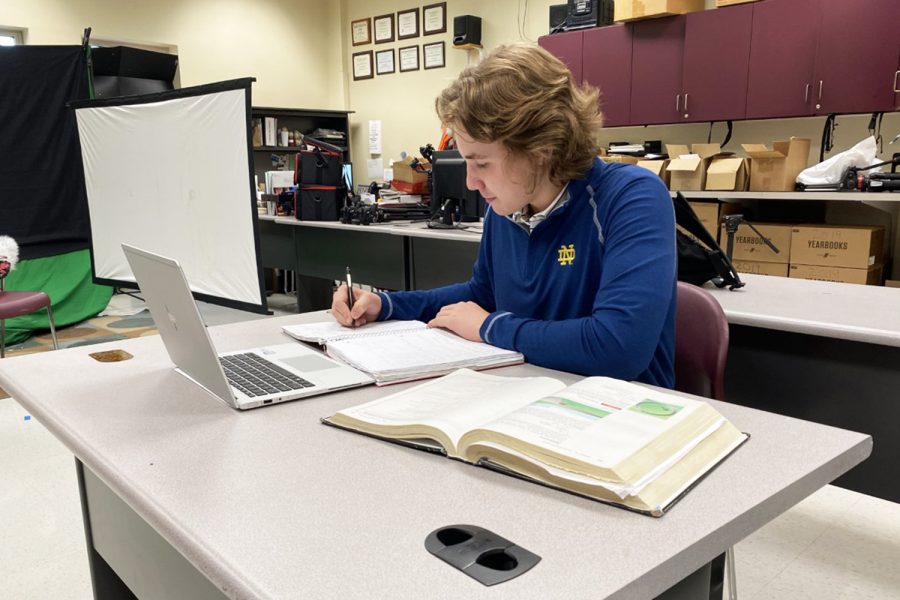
[826, 352]
[186, 497]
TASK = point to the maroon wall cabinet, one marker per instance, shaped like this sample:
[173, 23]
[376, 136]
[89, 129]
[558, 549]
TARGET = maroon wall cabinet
[716, 59]
[764, 60]
[607, 65]
[897, 84]
[782, 58]
[568, 47]
[856, 59]
[657, 57]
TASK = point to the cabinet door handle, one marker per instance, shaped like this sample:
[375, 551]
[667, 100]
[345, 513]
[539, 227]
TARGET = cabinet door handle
[896, 77]
[820, 90]
[685, 104]
[806, 94]
[678, 102]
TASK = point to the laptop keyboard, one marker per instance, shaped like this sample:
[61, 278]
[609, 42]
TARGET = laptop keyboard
[256, 376]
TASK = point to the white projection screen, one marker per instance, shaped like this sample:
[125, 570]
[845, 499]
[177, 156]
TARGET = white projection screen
[172, 173]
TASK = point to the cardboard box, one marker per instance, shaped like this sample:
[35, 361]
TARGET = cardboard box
[420, 187]
[776, 170]
[871, 276]
[728, 173]
[761, 268]
[658, 167]
[708, 213]
[632, 10]
[403, 171]
[749, 246]
[854, 247]
[687, 167]
[621, 158]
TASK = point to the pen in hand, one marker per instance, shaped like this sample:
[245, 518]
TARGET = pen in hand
[349, 293]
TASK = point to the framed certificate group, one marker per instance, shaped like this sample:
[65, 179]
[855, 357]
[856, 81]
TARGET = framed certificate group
[407, 24]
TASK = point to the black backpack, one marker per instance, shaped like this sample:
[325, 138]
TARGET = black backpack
[703, 260]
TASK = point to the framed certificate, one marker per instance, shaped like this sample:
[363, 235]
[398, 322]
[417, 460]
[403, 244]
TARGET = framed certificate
[361, 31]
[384, 29]
[409, 58]
[433, 55]
[434, 19]
[384, 62]
[362, 65]
[408, 24]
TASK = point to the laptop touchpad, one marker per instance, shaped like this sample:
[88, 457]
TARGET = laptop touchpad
[309, 363]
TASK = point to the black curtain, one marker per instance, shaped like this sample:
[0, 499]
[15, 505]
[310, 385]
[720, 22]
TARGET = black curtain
[42, 194]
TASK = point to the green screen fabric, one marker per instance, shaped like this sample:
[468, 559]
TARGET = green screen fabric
[67, 280]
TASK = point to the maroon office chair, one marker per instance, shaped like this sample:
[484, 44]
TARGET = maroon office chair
[14, 304]
[701, 343]
[701, 349]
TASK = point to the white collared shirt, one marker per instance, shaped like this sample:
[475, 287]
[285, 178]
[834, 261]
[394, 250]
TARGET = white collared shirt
[531, 222]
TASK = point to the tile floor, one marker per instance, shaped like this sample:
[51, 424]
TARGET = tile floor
[835, 545]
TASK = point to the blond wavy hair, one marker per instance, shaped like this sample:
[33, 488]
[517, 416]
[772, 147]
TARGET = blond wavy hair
[525, 98]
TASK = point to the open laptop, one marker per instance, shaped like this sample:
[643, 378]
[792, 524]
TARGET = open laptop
[243, 379]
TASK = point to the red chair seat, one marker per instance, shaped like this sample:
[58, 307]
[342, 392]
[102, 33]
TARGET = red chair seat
[14, 304]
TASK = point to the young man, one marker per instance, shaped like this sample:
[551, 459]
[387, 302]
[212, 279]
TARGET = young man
[577, 264]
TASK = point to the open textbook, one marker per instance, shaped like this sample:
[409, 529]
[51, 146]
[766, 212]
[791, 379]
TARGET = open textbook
[394, 351]
[617, 442]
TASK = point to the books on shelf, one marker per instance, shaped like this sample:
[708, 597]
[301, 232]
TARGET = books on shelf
[394, 351]
[257, 133]
[270, 131]
[622, 443]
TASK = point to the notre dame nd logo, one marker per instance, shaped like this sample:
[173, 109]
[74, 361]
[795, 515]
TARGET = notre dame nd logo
[566, 255]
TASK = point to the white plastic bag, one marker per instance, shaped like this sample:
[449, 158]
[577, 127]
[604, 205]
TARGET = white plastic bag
[832, 170]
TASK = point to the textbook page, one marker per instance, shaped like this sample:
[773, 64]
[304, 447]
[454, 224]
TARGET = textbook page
[327, 331]
[455, 403]
[598, 420]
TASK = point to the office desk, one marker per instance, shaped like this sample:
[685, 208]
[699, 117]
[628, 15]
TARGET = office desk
[395, 256]
[187, 498]
[276, 245]
[825, 352]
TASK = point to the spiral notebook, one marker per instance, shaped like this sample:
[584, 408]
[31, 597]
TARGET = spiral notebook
[395, 351]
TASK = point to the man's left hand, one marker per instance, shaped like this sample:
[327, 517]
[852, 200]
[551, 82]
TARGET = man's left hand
[463, 318]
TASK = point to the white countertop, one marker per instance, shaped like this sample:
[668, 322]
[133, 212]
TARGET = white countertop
[270, 503]
[401, 228]
[862, 313]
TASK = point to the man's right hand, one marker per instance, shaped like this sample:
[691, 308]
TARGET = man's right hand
[366, 307]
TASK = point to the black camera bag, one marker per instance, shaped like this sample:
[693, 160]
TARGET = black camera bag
[319, 202]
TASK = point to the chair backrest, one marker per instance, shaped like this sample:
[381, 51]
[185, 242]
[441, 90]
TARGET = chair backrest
[701, 343]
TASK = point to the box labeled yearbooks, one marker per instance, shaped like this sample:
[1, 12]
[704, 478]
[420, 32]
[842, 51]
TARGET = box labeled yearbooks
[617, 442]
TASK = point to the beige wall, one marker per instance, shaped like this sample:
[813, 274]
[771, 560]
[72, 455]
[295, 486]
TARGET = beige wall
[404, 102]
[292, 47]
